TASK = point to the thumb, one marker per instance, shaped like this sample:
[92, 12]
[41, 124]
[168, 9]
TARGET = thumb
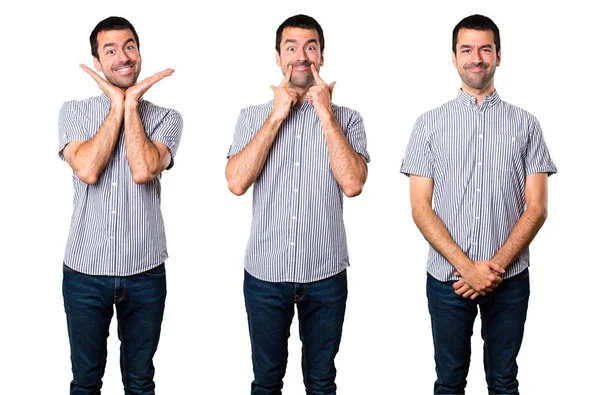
[331, 88]
[273, 88]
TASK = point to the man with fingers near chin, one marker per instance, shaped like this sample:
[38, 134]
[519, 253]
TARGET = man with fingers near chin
[117, 145]
[478, 171]
[302, 153]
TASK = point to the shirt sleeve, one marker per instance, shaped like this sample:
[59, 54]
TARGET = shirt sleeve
[70, 127]
[537, 158]
[242, 135]
[418, 160]
[168, 132]
[355, 133]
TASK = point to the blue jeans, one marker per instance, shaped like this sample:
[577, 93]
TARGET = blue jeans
[140, 303]
[503, 314]
[270, 308]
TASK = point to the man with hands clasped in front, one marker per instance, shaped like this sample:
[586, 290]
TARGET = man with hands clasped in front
[302, 153]
[478, 170]
[117, 145]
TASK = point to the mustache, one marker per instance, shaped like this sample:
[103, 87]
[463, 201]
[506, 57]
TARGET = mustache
[304, 63]
[478, 64]
[129, 63]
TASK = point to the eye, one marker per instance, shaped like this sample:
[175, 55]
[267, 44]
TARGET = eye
[464, 50]
[291, 49]
[110, 52]
[487, 50]
[311, 48]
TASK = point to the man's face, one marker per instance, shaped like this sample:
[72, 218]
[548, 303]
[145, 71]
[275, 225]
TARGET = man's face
[300, 48]
[476, 58]
[119, 58]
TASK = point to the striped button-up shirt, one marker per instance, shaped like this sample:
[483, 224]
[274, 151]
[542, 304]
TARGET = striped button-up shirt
[478, 157]
[297, 230]
[116, 227]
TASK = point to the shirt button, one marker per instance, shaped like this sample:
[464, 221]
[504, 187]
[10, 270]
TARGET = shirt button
[114, 184]
[297, 164]
[297, 136]
[114, 211]
[292, 243]
[479, 164]
[293, 218]
[481, 136]
[477, 218]
[295, 189]
[474, 243]
[478, 190]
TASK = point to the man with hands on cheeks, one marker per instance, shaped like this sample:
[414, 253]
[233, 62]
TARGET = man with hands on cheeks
[302, 153]
[117, 145]
[478, 170]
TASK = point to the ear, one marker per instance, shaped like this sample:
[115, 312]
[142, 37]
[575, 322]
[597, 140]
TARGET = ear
[277, 59]
[454, 60]
[498, 59]
[322, 59]
[97, 65]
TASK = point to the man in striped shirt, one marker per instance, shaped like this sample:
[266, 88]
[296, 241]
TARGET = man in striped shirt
[117, 145]
[485, 165]
[302, 153]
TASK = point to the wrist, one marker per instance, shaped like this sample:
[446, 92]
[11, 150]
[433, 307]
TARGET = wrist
[131, 104]
[328, 121]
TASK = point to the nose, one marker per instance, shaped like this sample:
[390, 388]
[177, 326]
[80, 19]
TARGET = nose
[476, 57]
[122, 56]
[300, 55]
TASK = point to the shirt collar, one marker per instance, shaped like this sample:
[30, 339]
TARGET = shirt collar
[104, 99]
[468, 100]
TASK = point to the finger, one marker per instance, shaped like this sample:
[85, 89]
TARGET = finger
[468, 293]
[273, 88]
[474, 296]
[496, 267]
[331, 88]
[288, 76]
[316, 75]
[91, 72]
[458, 284]
[153, 79]
[462, 290]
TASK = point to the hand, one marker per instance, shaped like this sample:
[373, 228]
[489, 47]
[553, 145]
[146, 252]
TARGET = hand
[319, 95]
[285, 97]
[482, 278]
[114, 94]
[133, 93]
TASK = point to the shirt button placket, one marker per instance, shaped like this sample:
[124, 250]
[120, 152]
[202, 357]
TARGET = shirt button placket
[479, 151]
[294, 231]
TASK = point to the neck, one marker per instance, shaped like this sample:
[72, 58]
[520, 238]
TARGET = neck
[302, 91]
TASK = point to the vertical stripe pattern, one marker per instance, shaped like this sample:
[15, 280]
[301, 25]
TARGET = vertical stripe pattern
[478, 158]
[116, 226]
[297, 232]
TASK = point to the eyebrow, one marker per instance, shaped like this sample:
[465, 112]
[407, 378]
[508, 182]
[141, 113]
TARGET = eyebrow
[470, 46]
[291, 40]
[114, 45]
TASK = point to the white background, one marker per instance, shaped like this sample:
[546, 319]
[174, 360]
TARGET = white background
[391, 61]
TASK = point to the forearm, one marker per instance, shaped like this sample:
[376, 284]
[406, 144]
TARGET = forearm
[244, 167]
[348, 167]
[143, 157]
[436, 233]
[91, 157]
[521, 235]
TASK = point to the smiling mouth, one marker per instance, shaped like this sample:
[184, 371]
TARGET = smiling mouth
[126, 69]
